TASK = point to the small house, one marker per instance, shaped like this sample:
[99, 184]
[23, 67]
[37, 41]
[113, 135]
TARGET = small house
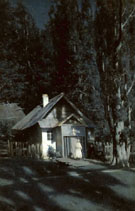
[56, 126]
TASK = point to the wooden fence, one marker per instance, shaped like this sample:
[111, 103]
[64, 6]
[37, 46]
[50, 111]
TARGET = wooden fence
[108, 151]
[20, 149]
[102, 151]
[132, 153]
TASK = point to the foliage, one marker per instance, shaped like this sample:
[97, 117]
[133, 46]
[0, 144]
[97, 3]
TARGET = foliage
[113, 58]
[21, 57]
[71, 55]
[62, 28]
[85, 50]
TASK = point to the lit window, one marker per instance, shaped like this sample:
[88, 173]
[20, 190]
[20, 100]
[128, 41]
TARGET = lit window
[49, 136]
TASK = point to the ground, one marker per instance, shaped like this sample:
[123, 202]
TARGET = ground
[33, 185]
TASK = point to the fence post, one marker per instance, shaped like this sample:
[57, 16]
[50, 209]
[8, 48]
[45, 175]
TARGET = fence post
[8, 147]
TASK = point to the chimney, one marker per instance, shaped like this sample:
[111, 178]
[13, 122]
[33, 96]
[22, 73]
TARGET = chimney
[45, 99]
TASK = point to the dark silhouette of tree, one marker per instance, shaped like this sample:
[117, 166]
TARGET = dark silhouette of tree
[62, 30]
[111, 27]
[87, 91]
[20, 63]
[71, 56]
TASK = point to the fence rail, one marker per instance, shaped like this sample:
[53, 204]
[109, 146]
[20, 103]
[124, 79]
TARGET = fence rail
[104, 151]
[21, 149]
[99, 150]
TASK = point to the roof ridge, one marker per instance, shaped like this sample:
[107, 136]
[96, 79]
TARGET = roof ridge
[30, 120]
[38, 113]
[61, 94]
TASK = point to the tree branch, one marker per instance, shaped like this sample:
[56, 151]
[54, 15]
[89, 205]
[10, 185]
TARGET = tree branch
[118, 41]
[130, 88]
[123, 12]
[128, 19]
[123, 26]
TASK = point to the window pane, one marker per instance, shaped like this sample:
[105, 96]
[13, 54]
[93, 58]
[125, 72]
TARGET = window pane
[49, 136]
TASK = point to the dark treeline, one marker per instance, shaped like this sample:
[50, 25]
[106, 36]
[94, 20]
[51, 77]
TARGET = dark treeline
[86, 50]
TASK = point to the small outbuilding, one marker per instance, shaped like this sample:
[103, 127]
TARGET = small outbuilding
[57, 127]
[10, 114]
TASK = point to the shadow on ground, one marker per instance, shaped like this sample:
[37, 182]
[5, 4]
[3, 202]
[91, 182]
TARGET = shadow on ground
[40, 186]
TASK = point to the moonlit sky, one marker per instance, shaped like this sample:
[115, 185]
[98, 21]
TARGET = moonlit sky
[38, 9]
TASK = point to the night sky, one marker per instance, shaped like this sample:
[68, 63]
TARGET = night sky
[38, 8]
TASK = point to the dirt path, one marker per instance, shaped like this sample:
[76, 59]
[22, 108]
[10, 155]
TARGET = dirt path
[40, 186]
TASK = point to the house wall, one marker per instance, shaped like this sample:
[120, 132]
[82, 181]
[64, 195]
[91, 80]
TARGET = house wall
[59, 113]
[44, 144]
[47, 144]
[73, 130]
[59, 133]
[58, 138]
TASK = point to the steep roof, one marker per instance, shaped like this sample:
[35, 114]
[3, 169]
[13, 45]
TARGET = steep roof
[80, 121]
[29, 120]
[38, 113]
[49, 123]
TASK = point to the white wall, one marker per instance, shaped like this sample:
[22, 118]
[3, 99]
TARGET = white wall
[46, 144]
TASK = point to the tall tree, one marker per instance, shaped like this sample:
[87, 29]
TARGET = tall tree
[27, 38]
[5, 27]
[21, 64]
[112, 19]
[63, 32]
[71, 54]
[87, 90]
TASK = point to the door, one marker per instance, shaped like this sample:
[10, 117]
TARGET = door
[70, 143]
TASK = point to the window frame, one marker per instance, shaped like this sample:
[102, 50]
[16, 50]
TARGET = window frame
[49, 136]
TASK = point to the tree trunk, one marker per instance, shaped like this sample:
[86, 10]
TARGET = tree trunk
[121, 146]
[122, 155]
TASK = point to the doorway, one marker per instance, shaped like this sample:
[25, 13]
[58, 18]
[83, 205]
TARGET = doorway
[70, 143]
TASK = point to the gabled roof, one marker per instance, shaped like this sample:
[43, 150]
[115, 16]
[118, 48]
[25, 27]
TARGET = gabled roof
[52, 123]
[29, 120]
[69, 117]
[84, 118]
[38, 113]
